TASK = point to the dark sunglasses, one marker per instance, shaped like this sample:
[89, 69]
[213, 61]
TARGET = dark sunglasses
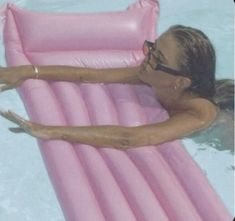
[148, 48]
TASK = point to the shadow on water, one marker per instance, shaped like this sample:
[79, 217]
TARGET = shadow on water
[220, 135]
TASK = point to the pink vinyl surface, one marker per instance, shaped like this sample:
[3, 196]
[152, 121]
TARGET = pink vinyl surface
[146, 184]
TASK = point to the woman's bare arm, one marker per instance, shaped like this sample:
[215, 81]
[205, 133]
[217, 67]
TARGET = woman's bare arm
[86, 75]
[12, 77]
[177, 126]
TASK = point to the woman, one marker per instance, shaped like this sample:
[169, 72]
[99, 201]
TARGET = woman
[180, 68]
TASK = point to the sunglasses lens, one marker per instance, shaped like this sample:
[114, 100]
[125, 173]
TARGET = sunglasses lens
[147, 47]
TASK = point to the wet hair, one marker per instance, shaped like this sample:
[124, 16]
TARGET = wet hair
[224, 94]
[198, 60]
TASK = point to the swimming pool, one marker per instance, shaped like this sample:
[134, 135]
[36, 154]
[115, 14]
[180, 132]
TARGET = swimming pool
[25, 190]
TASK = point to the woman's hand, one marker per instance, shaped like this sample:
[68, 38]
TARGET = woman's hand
[145, 66]
[34, 129]
[10, 78]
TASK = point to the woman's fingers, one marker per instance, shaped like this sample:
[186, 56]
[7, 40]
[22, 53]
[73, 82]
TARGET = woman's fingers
[13, 117]
[2, 76]
[5, 87]
[18, 119]
[5, 114]
[9, 80]
[17, 130]
[26, 126]
[8, 86]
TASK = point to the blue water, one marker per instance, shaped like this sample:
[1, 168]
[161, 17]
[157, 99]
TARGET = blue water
[26, 193]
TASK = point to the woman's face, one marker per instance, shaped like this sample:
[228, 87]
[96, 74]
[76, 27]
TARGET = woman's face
[165, 51]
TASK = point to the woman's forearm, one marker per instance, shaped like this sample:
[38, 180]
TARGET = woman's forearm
[57, 73]
[102, 136]
[79, 74]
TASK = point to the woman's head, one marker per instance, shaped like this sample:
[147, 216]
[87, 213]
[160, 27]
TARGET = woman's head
[196, 58]
[163, 56]
[190, 54]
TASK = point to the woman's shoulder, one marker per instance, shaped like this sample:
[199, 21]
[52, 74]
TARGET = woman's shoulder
[201, 108]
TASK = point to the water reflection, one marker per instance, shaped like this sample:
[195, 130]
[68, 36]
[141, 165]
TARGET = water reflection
[220, 135]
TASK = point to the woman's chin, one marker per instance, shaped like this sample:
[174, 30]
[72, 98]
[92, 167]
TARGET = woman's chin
[141, 77]
[147, 82]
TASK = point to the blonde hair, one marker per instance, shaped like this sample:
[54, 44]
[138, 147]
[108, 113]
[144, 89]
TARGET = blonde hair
[198, 60]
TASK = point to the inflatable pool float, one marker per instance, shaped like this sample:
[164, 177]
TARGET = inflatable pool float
[96, 184]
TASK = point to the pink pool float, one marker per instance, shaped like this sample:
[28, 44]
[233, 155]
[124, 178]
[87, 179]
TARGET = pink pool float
[151, 183]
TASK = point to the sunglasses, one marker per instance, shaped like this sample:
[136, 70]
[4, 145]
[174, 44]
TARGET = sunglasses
[148, 49]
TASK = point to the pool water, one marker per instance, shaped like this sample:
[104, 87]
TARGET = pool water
[26, 193]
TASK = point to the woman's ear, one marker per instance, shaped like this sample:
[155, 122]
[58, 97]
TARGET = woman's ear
[182, 82]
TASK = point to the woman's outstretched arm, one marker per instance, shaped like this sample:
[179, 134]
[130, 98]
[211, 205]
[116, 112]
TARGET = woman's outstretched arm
[12, 77]
[177, 126]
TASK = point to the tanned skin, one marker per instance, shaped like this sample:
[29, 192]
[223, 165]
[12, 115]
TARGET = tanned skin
[188, 111]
